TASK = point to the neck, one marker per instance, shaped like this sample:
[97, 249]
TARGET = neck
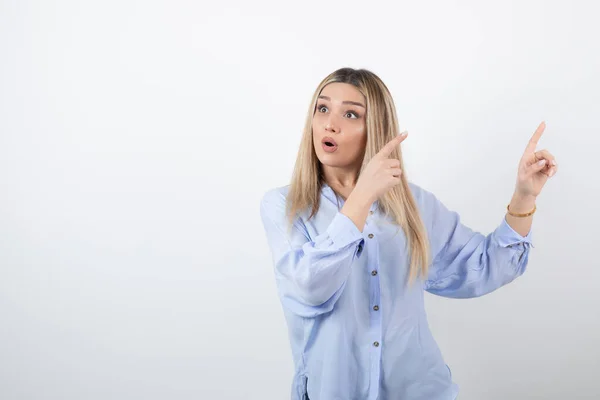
[338, 177]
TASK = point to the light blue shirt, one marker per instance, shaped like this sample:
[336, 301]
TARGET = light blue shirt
[356, 330]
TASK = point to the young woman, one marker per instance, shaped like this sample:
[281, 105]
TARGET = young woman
[355, 245]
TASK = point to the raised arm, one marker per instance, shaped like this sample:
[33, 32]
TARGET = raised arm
[467, 263]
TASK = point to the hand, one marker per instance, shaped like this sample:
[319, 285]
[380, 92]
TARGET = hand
[381, 173]
[535, 167]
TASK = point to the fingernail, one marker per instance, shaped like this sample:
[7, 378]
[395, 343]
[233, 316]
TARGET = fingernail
[542, 162]
[551, 172]
[553, 162]
[404, 134]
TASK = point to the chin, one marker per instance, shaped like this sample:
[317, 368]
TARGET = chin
[331, 160]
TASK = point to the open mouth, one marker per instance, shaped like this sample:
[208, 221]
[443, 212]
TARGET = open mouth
[329, 145]
[329, 142]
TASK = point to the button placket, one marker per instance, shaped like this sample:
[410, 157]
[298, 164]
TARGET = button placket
[374, 298]
[374, 271]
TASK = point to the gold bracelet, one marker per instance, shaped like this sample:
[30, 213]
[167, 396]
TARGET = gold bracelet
[521, 215]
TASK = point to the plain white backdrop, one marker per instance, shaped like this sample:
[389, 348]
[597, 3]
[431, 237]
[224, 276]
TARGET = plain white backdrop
[137, 138]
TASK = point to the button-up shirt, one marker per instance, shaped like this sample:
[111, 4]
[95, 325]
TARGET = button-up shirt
[357, 330]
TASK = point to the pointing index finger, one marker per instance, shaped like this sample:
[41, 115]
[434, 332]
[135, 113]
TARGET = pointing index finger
[535, 138]
[392, 144]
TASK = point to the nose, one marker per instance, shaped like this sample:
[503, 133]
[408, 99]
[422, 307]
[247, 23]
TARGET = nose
[330, 125]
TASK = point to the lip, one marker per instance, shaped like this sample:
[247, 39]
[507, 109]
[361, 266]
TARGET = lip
[328, 139]
[329, 149]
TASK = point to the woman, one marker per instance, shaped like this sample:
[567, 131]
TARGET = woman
[355, 244]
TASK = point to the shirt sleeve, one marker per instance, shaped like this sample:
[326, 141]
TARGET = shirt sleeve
[467, 263]
[310, 272]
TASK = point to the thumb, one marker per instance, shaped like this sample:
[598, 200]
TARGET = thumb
[538, 166]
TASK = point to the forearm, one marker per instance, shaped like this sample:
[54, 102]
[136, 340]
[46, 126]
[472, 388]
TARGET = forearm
[357, 208]
[520, 205]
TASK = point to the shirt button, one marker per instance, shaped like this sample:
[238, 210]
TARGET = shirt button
[374, 272]
[376, 308]
[371, 212]
[376, 344]
[370, 236]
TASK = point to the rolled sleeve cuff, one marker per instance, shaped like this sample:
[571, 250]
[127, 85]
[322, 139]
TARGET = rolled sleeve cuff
[507, 236]
[342, 231]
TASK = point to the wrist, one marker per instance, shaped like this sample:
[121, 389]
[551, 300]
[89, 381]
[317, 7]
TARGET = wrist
[361, 197]
[522, 203]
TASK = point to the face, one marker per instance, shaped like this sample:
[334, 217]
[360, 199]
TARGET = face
[339, 120]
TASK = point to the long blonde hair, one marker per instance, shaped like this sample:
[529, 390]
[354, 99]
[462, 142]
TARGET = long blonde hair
[382, 126]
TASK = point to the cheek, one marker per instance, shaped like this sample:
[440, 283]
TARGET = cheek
[313, 125]
[360, 135]
[361, 140]
[358, 128]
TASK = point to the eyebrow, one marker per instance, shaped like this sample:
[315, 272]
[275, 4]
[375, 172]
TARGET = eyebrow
[344, 102]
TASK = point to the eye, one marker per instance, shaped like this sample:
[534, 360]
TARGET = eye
[321, 106]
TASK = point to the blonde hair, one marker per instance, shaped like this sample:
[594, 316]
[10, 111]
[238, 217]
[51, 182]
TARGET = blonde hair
[381, 126]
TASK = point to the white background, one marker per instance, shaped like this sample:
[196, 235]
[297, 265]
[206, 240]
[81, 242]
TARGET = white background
[137, 138]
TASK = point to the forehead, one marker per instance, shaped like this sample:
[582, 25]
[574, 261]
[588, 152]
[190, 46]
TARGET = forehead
[339, 92]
